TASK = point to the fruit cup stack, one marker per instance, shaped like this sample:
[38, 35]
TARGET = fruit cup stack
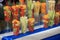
[57, 18]
[37, 11]
[16, 25]
[45, 20]
[23, 18]
[15, 21]
[43, 7]
[30, 8]
[31, 22]
[51, 11]
[44, 13]
[7, 14]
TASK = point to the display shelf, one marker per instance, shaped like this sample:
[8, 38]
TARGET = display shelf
[55, 37]
[10, 32]
[12, 37]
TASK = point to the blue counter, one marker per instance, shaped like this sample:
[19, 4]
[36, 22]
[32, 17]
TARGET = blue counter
[54, 37]
[12, 37]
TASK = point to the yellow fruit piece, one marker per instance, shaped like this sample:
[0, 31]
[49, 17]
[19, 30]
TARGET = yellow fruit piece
[14, 7]
[17, 5]
[57, 13]
[31, 19]
[6, 7]
[45, 21]
[15, 20]
[45, 16]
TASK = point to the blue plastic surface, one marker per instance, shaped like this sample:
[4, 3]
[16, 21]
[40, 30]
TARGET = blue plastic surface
[55, 37]
[12, 37]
